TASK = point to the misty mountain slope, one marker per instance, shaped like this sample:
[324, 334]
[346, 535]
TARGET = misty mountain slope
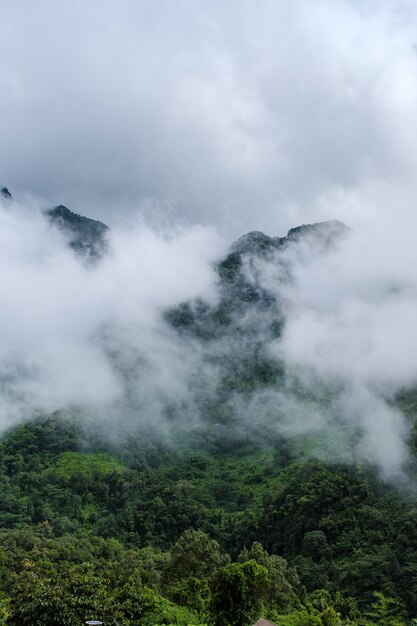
[248, 386]
[212, 431]
[246, 361]
[86, 236]
[240, 284]
[236, 333]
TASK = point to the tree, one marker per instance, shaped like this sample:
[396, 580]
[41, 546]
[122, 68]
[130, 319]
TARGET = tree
[239, 593]
[195, 554]
[191, 592]
[314, 544]
[60, 599]
[386, 611]
[283, 580]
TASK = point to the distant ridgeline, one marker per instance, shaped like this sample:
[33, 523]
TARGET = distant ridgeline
[86, 236]
[237, 273]
[237, 330]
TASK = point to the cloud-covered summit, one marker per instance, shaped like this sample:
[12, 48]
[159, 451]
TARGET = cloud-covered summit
[210, 120]
[243, 116]
[175, 329]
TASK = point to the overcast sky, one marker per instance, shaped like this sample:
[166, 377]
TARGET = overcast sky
[241, 114]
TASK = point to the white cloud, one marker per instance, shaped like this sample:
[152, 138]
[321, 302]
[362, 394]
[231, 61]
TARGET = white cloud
[235, 115]
[238, 114]
[66, 325]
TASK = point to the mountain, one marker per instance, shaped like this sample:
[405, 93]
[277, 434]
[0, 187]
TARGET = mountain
[86, 236]
[240, 282]
[235, 334]
[219, 523]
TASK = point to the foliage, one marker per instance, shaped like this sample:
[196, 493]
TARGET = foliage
[239, 593]
[208, 533]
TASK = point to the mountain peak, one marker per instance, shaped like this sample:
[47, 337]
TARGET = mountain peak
[254, 241]
[329, 229]
[87, 236]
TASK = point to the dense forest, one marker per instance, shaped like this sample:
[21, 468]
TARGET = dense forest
[210, 509]
[148, 532]
[208, 321]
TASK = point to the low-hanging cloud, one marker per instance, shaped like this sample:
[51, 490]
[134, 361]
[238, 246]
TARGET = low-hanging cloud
[93, 337]
[243, 115]
[73, 333]
[229, 116]
[349, 340]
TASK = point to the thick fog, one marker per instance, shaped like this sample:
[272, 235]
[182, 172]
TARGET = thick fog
[238, 114]
[74, 334]
[350, 337]
[93, 337]
[209, 120]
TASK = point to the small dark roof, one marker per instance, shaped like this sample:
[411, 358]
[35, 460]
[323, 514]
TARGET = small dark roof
[263, 622]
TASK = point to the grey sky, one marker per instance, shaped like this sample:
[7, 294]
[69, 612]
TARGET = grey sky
[246, 115]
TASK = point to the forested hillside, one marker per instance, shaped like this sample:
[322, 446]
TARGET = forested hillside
[208, 305]
[152, 533]
[247, 492]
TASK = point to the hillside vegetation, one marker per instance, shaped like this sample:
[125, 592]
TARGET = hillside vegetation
[219, 519]
[145, 533]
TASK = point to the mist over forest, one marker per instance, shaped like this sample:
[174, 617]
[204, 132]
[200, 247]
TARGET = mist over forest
[286, 335]
[208, 355]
